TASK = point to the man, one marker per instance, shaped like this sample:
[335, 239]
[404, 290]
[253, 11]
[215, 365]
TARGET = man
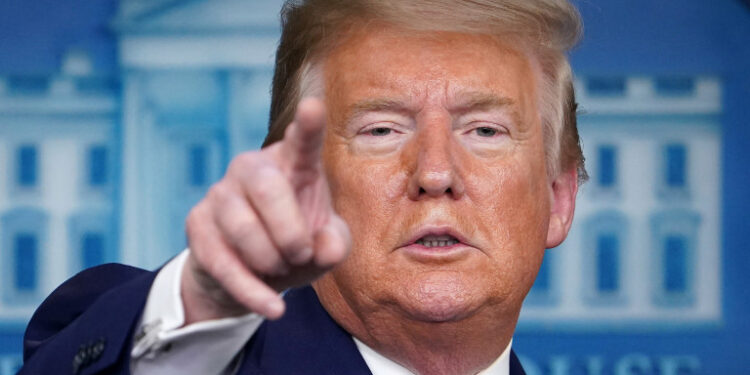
[436, 140]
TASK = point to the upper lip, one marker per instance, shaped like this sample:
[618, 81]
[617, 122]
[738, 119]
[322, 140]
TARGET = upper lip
[436, 231]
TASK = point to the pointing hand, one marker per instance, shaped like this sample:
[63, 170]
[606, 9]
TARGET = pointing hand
[267, 225]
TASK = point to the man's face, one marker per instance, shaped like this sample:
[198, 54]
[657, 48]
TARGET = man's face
[435, 158]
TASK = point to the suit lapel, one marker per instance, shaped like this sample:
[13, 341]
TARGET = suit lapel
[515, 365]
[306, 340]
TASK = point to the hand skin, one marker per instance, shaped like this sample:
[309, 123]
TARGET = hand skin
[267, 225]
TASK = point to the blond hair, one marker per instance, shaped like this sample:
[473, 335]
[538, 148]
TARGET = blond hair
[311, 28]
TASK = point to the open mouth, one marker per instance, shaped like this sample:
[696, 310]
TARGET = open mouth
[437, 241]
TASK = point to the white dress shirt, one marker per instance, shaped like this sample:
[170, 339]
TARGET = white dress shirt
[162, 346]
[379, 364]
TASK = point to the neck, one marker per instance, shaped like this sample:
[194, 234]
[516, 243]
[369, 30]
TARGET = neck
[465, 346]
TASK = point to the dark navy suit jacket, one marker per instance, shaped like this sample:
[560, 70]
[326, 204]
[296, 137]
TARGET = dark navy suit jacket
[86, 327]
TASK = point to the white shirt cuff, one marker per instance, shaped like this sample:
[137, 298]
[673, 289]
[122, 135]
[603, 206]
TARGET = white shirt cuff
[163, 346]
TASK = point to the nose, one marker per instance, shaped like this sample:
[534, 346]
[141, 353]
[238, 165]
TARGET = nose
[436, 173]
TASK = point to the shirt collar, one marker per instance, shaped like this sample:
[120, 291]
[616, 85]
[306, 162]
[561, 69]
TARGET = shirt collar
[380, 365]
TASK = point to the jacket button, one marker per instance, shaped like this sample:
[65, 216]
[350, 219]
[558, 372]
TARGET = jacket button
[88, 353]
[79, 361]
[97, 349]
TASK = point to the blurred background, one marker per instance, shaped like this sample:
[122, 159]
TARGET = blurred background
[117, 115]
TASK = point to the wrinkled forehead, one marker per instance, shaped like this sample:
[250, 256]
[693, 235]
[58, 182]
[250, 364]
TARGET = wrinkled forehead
[389, 64]
[380, 36]
[371, 40]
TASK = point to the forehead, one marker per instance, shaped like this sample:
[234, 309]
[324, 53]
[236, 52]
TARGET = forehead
[400, 64]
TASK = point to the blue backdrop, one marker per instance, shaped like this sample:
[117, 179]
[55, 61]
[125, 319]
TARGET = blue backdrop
[116, 116]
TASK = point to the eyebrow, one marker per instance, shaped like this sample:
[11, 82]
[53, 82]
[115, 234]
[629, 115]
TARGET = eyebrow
[483, 101]
[379, 105]
[479, 101]
[466, 102]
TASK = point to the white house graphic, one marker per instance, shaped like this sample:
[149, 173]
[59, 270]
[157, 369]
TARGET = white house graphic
[644, 249]
[57, 192]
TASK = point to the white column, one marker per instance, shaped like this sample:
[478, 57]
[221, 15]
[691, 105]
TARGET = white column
[132, 205]
[236, 81]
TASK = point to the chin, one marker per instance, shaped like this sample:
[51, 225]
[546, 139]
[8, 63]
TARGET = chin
[437, 297]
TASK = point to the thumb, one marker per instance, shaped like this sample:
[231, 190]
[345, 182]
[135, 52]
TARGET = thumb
[332, 242]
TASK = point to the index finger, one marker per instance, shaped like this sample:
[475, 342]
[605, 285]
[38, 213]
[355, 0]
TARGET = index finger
[303, 139]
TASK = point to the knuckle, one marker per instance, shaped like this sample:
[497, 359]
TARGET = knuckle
[219, 192]
[242, 163]
[194, 220]
[292, 238]
[268, 190]
[240, 231]
[218, 266]
[244, 160]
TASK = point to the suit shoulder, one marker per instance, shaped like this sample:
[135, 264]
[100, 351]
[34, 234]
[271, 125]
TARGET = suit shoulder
[68, 301]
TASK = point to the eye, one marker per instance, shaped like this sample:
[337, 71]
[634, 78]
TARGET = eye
[485, 131]
[380, 132]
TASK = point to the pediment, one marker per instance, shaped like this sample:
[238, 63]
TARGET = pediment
[170, 16]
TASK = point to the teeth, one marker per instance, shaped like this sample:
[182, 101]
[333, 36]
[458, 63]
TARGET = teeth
[438, 238]
[437, 241]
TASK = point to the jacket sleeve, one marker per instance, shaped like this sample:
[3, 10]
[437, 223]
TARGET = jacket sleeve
[85, 326]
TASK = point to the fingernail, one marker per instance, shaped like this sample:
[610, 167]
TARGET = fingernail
[302, 256]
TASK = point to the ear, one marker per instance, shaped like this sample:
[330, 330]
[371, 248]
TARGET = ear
[563, 203]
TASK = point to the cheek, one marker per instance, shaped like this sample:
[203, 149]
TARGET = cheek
[510, 204]
[365, 194]
[517, 208]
